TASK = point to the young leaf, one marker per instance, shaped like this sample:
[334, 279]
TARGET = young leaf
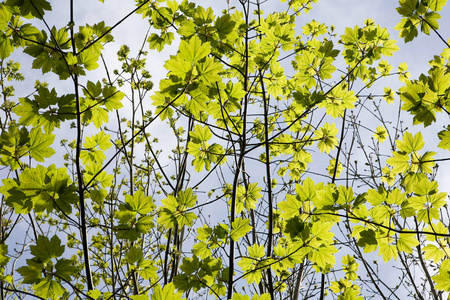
[31, 8]
[388, 251]
[324, 256]
[407, 242]
[411, 144]
[399, 162]
[194, 49]
[4, 259]
[139, 203]
[168, 292]
[46, 249]
[40, 144]
[326, 136]
[65, 268]
[443, 278]
[239, 228]
[432, 252]
[49, 288]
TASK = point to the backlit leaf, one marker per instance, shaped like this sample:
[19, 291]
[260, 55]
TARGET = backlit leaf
[239, 228]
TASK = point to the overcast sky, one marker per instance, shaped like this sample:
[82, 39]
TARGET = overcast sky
[340, 13]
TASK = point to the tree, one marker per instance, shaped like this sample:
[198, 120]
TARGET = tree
[286, 178]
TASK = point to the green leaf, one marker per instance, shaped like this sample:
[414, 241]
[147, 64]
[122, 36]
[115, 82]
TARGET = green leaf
[187, 28]
[40, 144]
[388, 251]
[237, 296]
[307, 191]
[47, 110]
[444, 136]
[408, 30]
[32, 271]
[14, 146]
[376, 197]
[31, 8]
[200, 134]
[5, 17]
[178, 67]
[436, 5]
[46, 249]
[443, 278]
[112, 98]
[351, 35]
[290, 207]
[42, 189]
[294, 227]
[389, 47]
[94, 294]
[410, 143]
[251, 273]
[140, 203]
[49, 288]
[253, 265]
[88, 58]
[430, 22]
[190, 265]
[194, 49]
[6, 46]
[224, 25]
[338, 101]
[134, 255]
[147, 270]
[203, 16]
[399, 162]
[159, 41]
[239, 228]
[174, 210]
[407, 7]
[103, 178]
[186, 198]
[350, 267]
[326, 197]
[139, 297]
[367, 237]
[4, 259]
[209, 71]
[168, 292]
[93, 155]
[247, 198]
[324, 256]
[425, 163]
[432, 252]
[65, 268]
[201, 250]
[406, 242]
[326, 136]
[98, 195]
[322, 231]
[380, 134]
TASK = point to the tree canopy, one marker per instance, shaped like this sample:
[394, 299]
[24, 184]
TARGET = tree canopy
[271, 161]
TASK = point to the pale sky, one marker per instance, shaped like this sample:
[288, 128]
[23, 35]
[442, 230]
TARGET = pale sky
[340, 13]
